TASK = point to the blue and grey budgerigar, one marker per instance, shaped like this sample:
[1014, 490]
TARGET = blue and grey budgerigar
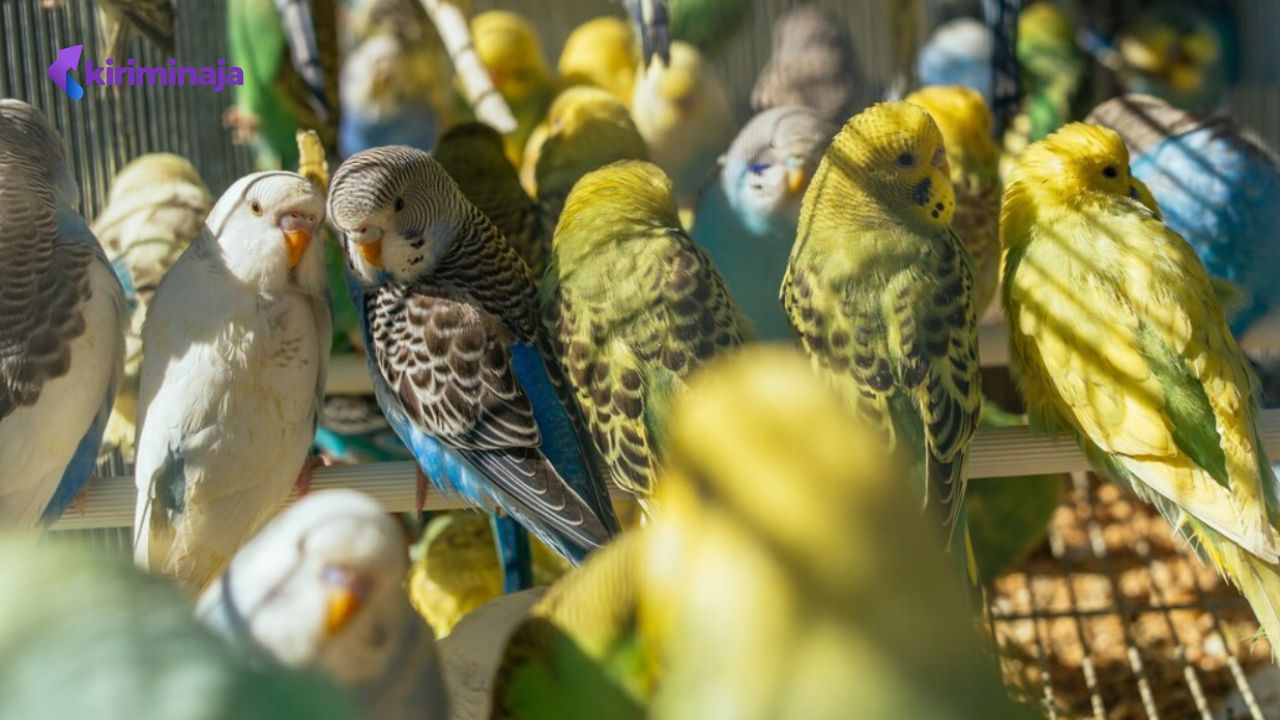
[62, 322]
[458, 359]
[237, 345]
[958, 52]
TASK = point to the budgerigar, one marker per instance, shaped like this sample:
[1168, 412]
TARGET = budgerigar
[1217, 186]
[587, 129]
[472, 154]
[157, 205]
[1181, 52]
[392, 94]
[703, 23]
[683, 113]
[965, 122]
[509, 48]
[880, 291]
[632, 306]
[62, 323]
[321, 587]
[958, 53]
[237, 344]
[85, 635]
[451, 334]
[1051, 67]
[289, 52]
[746, 218]
[1116, 334]
[813, 63]
[602, 52]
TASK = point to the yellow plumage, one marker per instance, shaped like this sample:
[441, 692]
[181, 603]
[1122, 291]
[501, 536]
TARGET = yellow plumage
[510, 50]
[602, 52]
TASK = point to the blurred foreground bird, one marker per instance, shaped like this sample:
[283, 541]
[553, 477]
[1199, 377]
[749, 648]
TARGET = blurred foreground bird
[632, 306]
[587, 129]
[958, 53]
[156, 208]
[683, 113]
[601, 52]
[508, 46]
[62, 323]
[1116, 335]
[746, 217]
[880, 291]
[321, 588]
[289, 52]
[964, 120]
[237, 345]
[472, 154]
[760, 591]
[86, 636]
[451, 334]
[1217, 186]
[812, 64]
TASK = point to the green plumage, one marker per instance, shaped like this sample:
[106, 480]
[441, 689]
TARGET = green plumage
[632, 306]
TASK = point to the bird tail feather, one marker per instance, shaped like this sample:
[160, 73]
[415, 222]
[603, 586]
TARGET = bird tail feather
[1255, 578]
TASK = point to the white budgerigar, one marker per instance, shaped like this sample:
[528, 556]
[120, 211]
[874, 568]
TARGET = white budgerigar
[62, 323]
[322, 587]
[237, 343]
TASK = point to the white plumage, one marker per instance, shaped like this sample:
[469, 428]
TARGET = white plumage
[237, 341]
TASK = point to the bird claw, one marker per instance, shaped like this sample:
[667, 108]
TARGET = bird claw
[303, 483]
[243, 126]
[420, 491]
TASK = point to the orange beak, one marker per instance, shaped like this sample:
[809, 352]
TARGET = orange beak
[796, 180]
[371, 252]
[346, 594]
[297, 235]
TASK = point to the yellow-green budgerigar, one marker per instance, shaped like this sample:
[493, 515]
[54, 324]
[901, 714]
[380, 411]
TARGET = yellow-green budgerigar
[509, 47]
[156, 208]
[1116, 334]
[473, 155]
[880, 291]
[587, 128]
[602, 52]
[683, 112]
[964, 119]
[632, 306]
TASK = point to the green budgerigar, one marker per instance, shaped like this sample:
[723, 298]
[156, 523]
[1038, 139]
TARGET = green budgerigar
[473, 155]
[632, 306]
[880, 291]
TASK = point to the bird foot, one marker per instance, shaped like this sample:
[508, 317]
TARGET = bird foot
[420, 491]
[243, 126]
[303, 483]
[80, 503]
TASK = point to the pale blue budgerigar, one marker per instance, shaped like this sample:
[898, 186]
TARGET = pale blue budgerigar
[62, 322]
[237, 345]
[746, 220]
[156, 208]
[1217, 185]
[458, 360]
[813, 64]
[322, 588]
[958, 53]
[83, 635]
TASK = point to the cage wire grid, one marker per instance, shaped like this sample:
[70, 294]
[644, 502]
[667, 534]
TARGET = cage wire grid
[1110, 618]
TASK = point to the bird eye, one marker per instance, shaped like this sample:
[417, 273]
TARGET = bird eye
[1110, 171]
[758, 167]
[906, 159]
[256, 207]
[399, 204]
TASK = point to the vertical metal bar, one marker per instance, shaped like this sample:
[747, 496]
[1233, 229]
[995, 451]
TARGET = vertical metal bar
[1002, 17]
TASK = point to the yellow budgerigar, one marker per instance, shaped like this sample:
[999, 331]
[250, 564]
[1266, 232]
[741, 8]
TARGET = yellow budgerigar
[508, 46]
[1116, 334]
[880, 291]
[965, 122]
[602, 52]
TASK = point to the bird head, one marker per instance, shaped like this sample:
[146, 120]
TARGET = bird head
[31, 148]
[601, 52]
[964, 120]
[321, 586]
[1079, 158]
[472, 150]
[893, 152]
[769, 164]
[623, 196]
[586, 128]
[263, 226]
[397, 210]
[508, 46]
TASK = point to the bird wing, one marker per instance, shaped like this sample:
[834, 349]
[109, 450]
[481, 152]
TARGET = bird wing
[1132, 350]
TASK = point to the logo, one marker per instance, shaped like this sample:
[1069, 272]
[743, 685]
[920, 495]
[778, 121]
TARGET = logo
[130, 73]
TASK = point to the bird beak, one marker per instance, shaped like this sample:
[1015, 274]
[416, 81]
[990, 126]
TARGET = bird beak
[346, 592]
[368, 242]
[796, 180]
[939, 161]
[297, 235]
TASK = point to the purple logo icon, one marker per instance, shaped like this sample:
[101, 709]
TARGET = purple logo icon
[60, 71]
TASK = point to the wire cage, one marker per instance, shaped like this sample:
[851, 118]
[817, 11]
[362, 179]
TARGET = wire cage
[1110, 618]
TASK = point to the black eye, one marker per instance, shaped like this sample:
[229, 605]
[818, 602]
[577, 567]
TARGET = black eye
[1110, 171]
[256, 207]
[906, 159]
[399, 204]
